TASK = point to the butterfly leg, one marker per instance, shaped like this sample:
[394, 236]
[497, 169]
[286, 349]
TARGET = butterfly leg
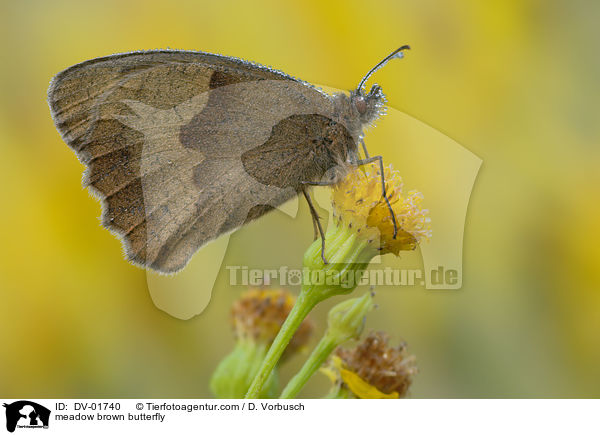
[313, 211]
[364, 147]
[383, 190]
[316, 233]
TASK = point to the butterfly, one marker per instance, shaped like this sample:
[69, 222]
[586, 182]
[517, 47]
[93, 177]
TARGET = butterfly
[182, 147]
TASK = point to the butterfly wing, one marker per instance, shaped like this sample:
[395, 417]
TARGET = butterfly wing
[168, 138]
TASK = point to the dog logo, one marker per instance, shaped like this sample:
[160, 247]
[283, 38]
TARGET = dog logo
[26, 414]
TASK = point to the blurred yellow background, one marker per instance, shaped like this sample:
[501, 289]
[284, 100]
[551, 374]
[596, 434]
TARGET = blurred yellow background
[515, 82]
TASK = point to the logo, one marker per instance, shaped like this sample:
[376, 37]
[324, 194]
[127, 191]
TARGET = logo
[26, 414]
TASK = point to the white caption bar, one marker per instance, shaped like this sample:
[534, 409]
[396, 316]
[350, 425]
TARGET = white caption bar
[307, 417]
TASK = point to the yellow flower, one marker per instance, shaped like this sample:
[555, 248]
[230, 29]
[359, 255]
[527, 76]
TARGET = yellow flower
[358, 204]
[362, 228]
[373, 369]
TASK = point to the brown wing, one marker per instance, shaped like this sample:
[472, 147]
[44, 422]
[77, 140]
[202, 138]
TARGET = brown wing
[301, 147]
[162, 134]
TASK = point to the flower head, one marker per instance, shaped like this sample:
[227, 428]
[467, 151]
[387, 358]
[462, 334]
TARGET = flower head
[259, 313]
[362, 228]
[358, 203]
[373, 369]
[257, 317]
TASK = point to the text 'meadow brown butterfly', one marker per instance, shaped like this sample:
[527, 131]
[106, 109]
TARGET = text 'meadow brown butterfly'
[184, 146]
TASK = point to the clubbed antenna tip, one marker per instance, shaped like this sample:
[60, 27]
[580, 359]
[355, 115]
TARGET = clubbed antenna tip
[396, 54]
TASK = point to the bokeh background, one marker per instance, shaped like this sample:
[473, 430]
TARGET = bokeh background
[515, 82]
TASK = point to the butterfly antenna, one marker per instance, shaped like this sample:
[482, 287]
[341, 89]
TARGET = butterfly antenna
[398, 53]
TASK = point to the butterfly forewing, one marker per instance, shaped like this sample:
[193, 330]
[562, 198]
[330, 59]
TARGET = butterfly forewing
[182, 147]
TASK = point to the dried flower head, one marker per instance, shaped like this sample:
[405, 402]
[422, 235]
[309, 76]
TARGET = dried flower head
[373, 369]
[259, 313]
[358, 204]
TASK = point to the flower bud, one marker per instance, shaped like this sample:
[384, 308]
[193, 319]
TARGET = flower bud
[347, 319]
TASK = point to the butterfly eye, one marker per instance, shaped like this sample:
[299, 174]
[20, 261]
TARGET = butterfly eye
[360, 104]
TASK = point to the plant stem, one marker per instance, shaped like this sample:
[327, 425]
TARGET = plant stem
[347, 254]
[312, 364]
[304, 304]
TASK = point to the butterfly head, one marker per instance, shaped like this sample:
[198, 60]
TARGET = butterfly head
[368, 106]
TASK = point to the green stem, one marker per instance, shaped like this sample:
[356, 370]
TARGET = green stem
[315, 360]
[304, 304]
[346, 253]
